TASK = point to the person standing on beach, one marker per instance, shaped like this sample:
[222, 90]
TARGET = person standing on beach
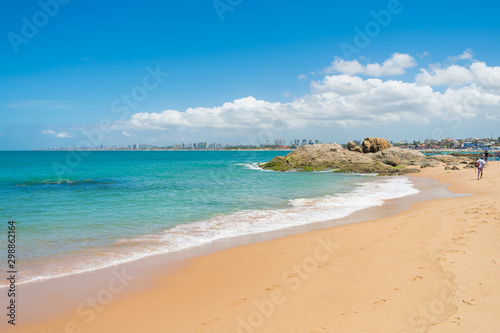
[480, 165]
[486, 154]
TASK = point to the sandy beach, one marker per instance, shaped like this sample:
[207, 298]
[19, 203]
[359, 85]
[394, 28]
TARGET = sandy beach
[433, 267]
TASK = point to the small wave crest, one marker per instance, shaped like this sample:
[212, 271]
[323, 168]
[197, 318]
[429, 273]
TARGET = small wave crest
[65, 182]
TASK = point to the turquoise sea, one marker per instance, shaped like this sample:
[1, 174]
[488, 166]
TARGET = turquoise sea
[76, 213]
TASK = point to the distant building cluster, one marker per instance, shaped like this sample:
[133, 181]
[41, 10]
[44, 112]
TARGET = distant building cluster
[445, 143]
[448, 143]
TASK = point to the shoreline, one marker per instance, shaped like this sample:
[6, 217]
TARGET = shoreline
[273, 231]
[187, 274]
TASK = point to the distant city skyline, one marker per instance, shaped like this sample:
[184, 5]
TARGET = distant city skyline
[426, 144]
[164, 72]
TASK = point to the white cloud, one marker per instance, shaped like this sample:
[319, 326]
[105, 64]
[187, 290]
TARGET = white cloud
[348, 101]
[336, 101]
[395, 65]
[340, 65]
[129, 135]
[453, 75]
[58, 134]
[302, 77]
[423, 54]
[477, 73]
[466, 55]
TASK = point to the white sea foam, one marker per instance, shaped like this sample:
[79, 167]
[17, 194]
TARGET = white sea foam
[299, 212]
[253, 166]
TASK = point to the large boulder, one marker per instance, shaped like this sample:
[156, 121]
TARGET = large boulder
[373, 145]
[351, 146]
[396, 156]
[444, 158]
[451, 160]
[430, 163]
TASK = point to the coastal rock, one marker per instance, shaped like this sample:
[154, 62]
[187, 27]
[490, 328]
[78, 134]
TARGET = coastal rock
[315, 155]
[333, 156]
[373, 145]
[397, 156]
[455, 168]
[351, 146]
[447, 167]
[430, 163]
[444, 158]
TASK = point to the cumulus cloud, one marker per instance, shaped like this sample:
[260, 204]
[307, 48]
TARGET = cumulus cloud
[477, 73]
[347, 100]
[395, 65]
[129, 135]
[466, 55]
[302, 77]
[336, 101]
[58, 134]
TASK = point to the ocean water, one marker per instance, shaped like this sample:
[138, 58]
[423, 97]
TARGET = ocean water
[78, 214]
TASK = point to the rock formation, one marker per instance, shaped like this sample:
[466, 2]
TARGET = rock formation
[351, 146]
[333, 156]
[375, 155]
[373, 145]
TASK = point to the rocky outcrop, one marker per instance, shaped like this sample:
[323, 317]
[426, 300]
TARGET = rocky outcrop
[379, 157]
[333, 156]
[373, 145]
[396, 156]
[430, 163]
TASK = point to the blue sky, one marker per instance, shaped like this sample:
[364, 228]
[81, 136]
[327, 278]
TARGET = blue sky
[246, 71]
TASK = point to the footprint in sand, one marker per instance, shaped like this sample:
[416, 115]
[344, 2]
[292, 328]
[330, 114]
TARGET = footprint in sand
[241, 300]
[273, 287]
[417, 278]
[472, 302]
[211, 322]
